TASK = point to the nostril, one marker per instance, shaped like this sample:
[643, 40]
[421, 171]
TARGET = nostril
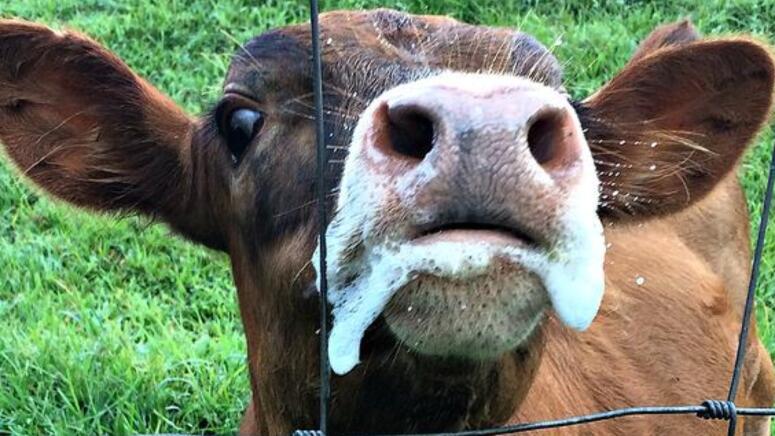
[545, 136]
[410, 130]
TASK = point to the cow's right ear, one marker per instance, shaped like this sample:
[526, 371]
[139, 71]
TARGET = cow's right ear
[674, 122]
[82, 125]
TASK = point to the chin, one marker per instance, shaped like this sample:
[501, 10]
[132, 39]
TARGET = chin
[477, 318]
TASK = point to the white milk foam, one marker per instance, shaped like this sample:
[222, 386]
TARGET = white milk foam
[572, 275]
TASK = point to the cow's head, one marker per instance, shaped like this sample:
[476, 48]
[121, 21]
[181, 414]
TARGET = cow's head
[472, 196]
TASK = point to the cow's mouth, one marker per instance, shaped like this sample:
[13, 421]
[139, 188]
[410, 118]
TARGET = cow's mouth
[462, 289]
[476, 315]
[478, 309]
[506, 234]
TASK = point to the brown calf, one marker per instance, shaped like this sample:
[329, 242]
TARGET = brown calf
[467, 253]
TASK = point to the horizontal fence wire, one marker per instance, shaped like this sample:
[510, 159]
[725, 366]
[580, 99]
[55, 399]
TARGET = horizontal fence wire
[709, 409]
[701, 412]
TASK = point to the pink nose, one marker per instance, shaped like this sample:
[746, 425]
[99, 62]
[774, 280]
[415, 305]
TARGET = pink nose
[478, 130]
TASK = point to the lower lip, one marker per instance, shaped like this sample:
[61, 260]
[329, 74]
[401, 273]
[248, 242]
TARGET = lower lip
[470, 236]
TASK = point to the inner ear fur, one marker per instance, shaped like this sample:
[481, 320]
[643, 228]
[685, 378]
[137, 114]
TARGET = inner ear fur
[675, 121]
[82, 125]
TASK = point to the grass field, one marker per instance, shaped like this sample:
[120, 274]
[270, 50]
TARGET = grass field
[112, 326]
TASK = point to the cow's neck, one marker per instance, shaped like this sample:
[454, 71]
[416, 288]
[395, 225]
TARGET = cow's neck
[390, 390]
[396, 392]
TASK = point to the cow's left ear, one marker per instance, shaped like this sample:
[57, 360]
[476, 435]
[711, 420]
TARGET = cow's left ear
[666, 35]
[675, 121]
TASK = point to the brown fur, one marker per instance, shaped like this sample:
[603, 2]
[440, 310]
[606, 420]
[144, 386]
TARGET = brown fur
[67, 102]
[82, 125]
[673, 34]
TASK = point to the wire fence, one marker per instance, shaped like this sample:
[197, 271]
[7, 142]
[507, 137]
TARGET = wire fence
[709, 409]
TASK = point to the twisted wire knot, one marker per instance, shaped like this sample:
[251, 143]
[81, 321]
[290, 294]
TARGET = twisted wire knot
[308, 433]
[716, 409]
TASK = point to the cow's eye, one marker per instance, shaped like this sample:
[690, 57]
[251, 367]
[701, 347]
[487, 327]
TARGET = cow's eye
[239, 124]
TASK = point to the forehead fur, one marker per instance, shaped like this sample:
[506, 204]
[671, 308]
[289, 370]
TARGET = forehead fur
[369, 52]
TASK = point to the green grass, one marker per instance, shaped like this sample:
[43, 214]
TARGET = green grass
[114, 326]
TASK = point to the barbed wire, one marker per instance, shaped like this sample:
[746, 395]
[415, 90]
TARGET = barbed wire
[709, 409]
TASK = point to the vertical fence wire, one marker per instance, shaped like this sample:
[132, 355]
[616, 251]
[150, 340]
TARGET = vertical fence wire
[757, 257]
[317, 74]
[711, 409]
